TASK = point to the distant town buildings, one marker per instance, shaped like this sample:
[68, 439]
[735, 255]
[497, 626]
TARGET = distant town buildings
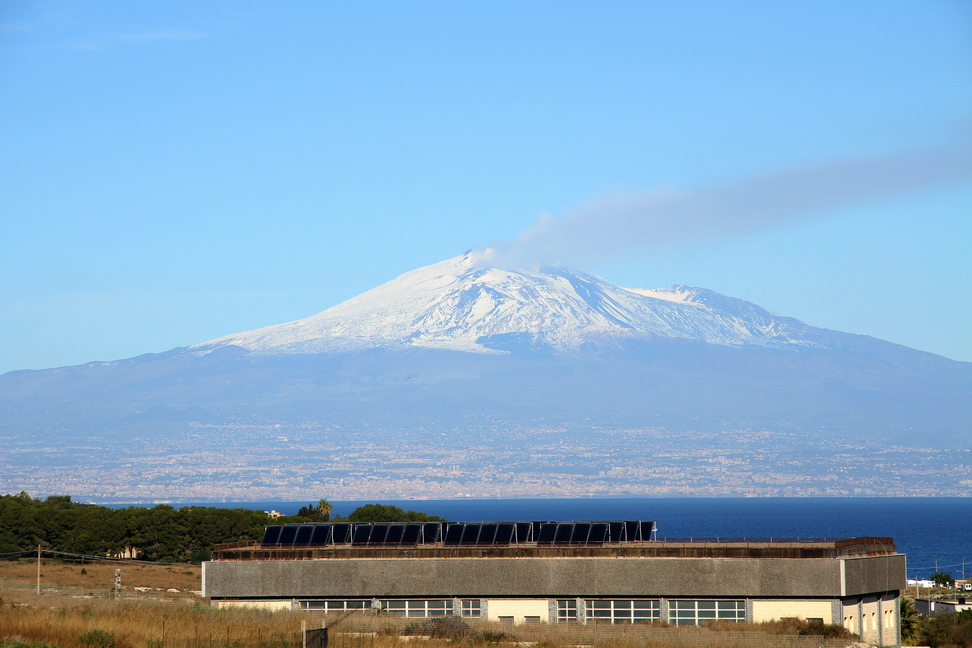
[258, 462]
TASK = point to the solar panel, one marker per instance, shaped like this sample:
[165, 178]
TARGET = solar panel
[362, 534]
[342, 533]
[564, 532]
[304, 533]
[547, 534]
[470, 535]
[288, 533]
[460, 533]
[433, 531]
[524, 531]
[323, 534]
[617, 532]
[488, 533]
[271, 534]
[395, 532]
[505, 532]
[647, 529]
[379, 532]
[581, 531]
[599, 533]
[412, 533]
[454, 534]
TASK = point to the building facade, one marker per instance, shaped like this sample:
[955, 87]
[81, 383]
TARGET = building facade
[550, 572]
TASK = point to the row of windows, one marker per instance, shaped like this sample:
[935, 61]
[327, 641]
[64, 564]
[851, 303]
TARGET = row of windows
[611, 610]
[680, 611]
[400, 607]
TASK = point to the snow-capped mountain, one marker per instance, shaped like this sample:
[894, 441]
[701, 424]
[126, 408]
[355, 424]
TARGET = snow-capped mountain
[461, 350]
[460, 305]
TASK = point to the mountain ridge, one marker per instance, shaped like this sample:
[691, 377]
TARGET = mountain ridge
[457, 304]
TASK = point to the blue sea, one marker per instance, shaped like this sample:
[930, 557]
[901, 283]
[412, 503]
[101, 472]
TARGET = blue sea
[929, 531]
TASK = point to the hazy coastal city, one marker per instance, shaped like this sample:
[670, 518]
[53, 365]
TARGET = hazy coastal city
[213, 463]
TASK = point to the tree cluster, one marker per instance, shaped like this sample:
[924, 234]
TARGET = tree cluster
[952, 630]
[388, 513]
[161, 533]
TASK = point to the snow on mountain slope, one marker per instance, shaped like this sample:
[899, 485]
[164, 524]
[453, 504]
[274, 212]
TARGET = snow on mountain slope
[459, 305]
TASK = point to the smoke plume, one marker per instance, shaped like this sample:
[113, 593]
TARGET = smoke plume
[602, 230]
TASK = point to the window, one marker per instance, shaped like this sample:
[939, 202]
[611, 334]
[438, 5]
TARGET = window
[471, 608]
[334, 606]
[566, 610]
[849, 622]
[506, 619]
[531, 619]
[418, 607]
[622, 610]
[692, 612]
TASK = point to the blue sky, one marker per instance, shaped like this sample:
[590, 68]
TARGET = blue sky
[175, 172]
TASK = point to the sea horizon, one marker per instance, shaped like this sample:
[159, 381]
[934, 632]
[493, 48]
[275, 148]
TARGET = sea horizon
[935, 533]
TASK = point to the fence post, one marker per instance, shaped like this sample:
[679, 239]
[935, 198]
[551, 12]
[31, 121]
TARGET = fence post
[303, 633]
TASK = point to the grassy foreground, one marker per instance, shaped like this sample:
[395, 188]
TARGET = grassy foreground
[98, 576]
[155, 624]
[157, 607]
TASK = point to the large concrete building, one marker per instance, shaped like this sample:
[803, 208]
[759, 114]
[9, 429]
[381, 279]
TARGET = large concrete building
[560, 572]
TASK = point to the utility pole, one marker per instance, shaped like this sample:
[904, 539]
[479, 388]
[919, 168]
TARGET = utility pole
[38, 569]
[936, 564]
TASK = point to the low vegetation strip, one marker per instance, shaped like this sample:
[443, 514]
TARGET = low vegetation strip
[158, 534]
[154, 625]
[161, 533]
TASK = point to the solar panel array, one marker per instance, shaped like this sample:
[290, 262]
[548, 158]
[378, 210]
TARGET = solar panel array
[477, 534]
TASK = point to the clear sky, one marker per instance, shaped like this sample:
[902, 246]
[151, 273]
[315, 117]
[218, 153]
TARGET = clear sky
[174, 172]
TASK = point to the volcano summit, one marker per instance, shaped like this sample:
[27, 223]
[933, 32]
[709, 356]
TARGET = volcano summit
[460, 306]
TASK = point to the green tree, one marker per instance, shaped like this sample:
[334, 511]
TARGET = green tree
[319, 513]
[942, 579]
[909, 622]
[161, 533]
[946, 630]
[324, 509]
[389, 513]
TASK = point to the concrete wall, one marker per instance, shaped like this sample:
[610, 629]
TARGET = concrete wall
[552, 577]
[274, 604]
[519, 609]
[874, 574]
[773, 609]
[875, 617]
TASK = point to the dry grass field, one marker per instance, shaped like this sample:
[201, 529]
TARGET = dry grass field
[155, 624]
[100, 575]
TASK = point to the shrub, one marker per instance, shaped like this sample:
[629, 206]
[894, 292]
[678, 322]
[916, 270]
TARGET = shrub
[490, 637]
[440, 628]
[98, 639]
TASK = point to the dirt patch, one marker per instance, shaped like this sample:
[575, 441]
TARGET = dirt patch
[100, 575]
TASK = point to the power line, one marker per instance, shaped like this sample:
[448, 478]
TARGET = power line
[126, 561]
